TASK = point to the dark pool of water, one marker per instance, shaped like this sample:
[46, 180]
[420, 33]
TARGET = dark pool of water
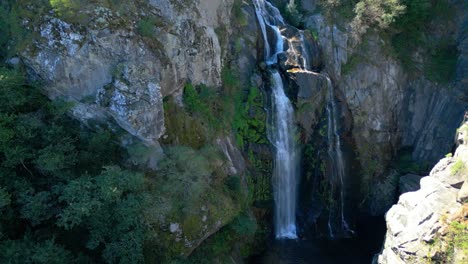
[358, 250]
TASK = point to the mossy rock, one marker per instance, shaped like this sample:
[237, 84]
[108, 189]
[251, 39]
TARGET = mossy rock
[181, 128]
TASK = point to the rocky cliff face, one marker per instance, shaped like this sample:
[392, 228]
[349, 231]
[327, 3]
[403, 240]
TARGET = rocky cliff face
[389, 108]
[420, 227]
[123, 67]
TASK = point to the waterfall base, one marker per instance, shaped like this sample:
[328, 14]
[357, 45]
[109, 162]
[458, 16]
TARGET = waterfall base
[287, 233]
[358, 250]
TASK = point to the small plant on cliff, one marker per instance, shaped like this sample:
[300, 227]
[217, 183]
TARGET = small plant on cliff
[458, 167]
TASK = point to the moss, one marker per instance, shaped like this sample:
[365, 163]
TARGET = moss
[458, 167]
[239, 17]
[192, 226]
[350, 65]
[181, 128]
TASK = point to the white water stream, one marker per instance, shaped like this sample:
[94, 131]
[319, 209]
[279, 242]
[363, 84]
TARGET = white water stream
[282, 129]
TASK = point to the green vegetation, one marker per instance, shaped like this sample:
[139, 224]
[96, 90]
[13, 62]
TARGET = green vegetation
[404, 163]
[61, 195]
[13, 36]
[68, 201]
[350, 65]
[375, 13]
[314, 34]
[408, 25]
[249, 122]
[458, 167]
[238, 234]
[455, 238]
[293, 14]
[239, 16]
[458, 236]
[412, 34]
[182, 129]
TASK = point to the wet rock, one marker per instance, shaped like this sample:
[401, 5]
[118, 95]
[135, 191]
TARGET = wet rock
[311, 99]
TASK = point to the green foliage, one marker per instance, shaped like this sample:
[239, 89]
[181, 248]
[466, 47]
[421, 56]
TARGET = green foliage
[350, 65]
[234, 184]
[405, 164]
[458, 167]
[36, 207]
[439, 55]
[441, 63]
[293, 14]
[375, 13]
[239, 16]
[193, 101]
[249, 123]
[314, 34]
[260, 178]
[51, 173]
[458, 233]
[203, 103]
[182, 128]
[28, 251]
[5, 198]
[238, 233]
[244, 225]
[185, 169]
[146, 26]
[455, 237]
[13, 36]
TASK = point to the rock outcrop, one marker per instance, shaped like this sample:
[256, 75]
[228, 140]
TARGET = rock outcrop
[390, 108]
[421, 220]
[123, 67]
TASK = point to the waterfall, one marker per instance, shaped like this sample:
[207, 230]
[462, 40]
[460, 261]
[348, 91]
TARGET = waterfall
[286, 160]
[335, 153]
[281, 131]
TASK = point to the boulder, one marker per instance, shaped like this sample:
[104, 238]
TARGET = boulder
[421, 217]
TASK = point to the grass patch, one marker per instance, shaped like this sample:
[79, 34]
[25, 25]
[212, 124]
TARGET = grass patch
[458, 167]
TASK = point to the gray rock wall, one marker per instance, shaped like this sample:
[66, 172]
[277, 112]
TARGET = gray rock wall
[112, 71]
[420, 216]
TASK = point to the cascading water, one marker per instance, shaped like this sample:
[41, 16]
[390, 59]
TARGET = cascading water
[281, 130]
[281, 135]
[335, 153]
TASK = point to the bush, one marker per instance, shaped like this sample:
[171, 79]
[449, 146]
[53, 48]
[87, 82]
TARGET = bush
[375, 13]
[146, 27]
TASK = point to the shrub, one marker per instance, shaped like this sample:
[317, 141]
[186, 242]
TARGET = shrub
[374, 13]
[146, 27]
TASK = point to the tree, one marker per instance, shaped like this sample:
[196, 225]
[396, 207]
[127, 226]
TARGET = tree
[375, 13]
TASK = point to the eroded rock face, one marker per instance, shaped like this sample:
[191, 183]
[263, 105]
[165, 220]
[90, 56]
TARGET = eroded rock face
[418, 217]
[110, 70]
[311, 99]
[390, 108]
